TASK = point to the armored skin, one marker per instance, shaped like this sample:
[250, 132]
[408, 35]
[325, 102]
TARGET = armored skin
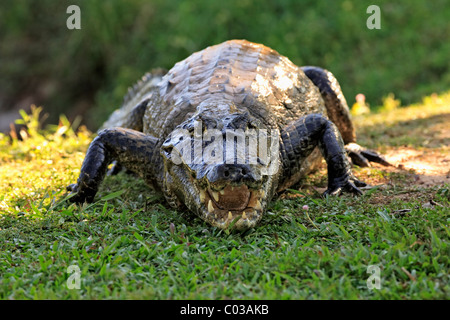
[226, 129]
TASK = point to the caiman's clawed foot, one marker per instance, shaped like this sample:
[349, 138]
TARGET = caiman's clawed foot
[362, 157]
[79, 197]
[72, 187]
[350, 186]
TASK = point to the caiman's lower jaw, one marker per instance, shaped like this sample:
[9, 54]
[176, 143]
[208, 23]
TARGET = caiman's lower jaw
[221, 208]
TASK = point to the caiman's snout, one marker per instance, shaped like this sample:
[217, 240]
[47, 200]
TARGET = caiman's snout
[233, 173]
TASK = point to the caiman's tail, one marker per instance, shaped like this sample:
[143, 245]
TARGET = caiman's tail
[136, 94]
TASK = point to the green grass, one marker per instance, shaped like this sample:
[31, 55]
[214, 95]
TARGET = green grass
[130, 245]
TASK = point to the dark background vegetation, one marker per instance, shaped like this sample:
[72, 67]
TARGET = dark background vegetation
[86, 72]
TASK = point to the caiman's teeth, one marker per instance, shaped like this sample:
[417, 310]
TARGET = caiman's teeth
[244, 216]
[263, 193]
[222, 192]
[210, 206]
[258, 205]
[230, 215]
[215, 196]
[202, 196]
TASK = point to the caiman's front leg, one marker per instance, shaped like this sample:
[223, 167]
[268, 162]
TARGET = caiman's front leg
[339, 114]
[131, 148]
[300, 138]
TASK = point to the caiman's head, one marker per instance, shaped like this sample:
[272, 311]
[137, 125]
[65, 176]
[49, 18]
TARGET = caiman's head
[223, 168]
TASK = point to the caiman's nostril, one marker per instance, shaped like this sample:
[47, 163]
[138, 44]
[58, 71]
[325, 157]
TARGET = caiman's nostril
[232, 173]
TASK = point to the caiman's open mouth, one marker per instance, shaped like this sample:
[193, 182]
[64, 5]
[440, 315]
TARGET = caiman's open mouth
[224, 206]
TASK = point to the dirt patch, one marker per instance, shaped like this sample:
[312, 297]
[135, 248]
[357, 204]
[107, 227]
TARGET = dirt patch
[415, 171]
[429, 166]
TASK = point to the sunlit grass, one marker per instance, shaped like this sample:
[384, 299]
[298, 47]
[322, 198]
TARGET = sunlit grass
[36, 169]
[419, 125]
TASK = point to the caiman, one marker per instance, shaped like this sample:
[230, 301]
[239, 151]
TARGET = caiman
[225, 130]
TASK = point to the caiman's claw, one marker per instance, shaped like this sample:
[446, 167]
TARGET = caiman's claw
[79, 197]
[351, 186]
[72, 187]
[362, 157]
